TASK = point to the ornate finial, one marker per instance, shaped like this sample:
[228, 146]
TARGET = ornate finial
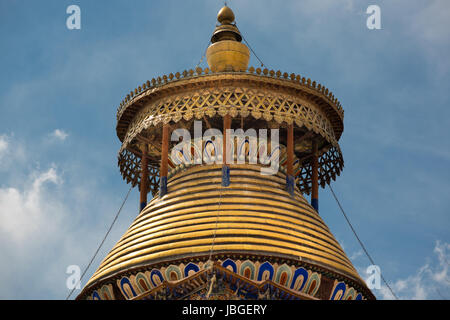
[227, 53]
[225, 15]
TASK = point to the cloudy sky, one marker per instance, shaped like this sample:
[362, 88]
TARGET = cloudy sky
[59, 89]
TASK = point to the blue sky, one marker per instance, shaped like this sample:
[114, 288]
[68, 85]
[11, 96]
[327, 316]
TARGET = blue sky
[59, 90]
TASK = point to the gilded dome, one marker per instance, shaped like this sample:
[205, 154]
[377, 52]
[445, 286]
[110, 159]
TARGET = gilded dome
[253, 216]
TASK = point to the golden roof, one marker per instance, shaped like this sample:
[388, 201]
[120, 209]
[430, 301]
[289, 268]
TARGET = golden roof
[254, 215]
[264, 97]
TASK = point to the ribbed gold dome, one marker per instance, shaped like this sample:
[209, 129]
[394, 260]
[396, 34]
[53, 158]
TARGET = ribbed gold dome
[254, 215]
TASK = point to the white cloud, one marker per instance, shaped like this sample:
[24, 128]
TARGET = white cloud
[48, 223]
[430, 282]
[37, 237]
[42, 233]
[431, 23]
[428, 23]
[3, 146]
[441, 251]
[356, 255]
[59, 134]
[26, 213]
[11, 152]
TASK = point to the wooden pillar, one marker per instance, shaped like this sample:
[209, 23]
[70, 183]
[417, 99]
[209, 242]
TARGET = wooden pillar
[315, 176]
[225, 167]
[290, 160]
[144, 177]
[164, 161]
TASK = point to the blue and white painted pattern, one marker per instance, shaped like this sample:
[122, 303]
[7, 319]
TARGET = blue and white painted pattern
[297, 279]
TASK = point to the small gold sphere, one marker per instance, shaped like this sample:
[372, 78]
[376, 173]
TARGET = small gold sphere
[225, 15]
